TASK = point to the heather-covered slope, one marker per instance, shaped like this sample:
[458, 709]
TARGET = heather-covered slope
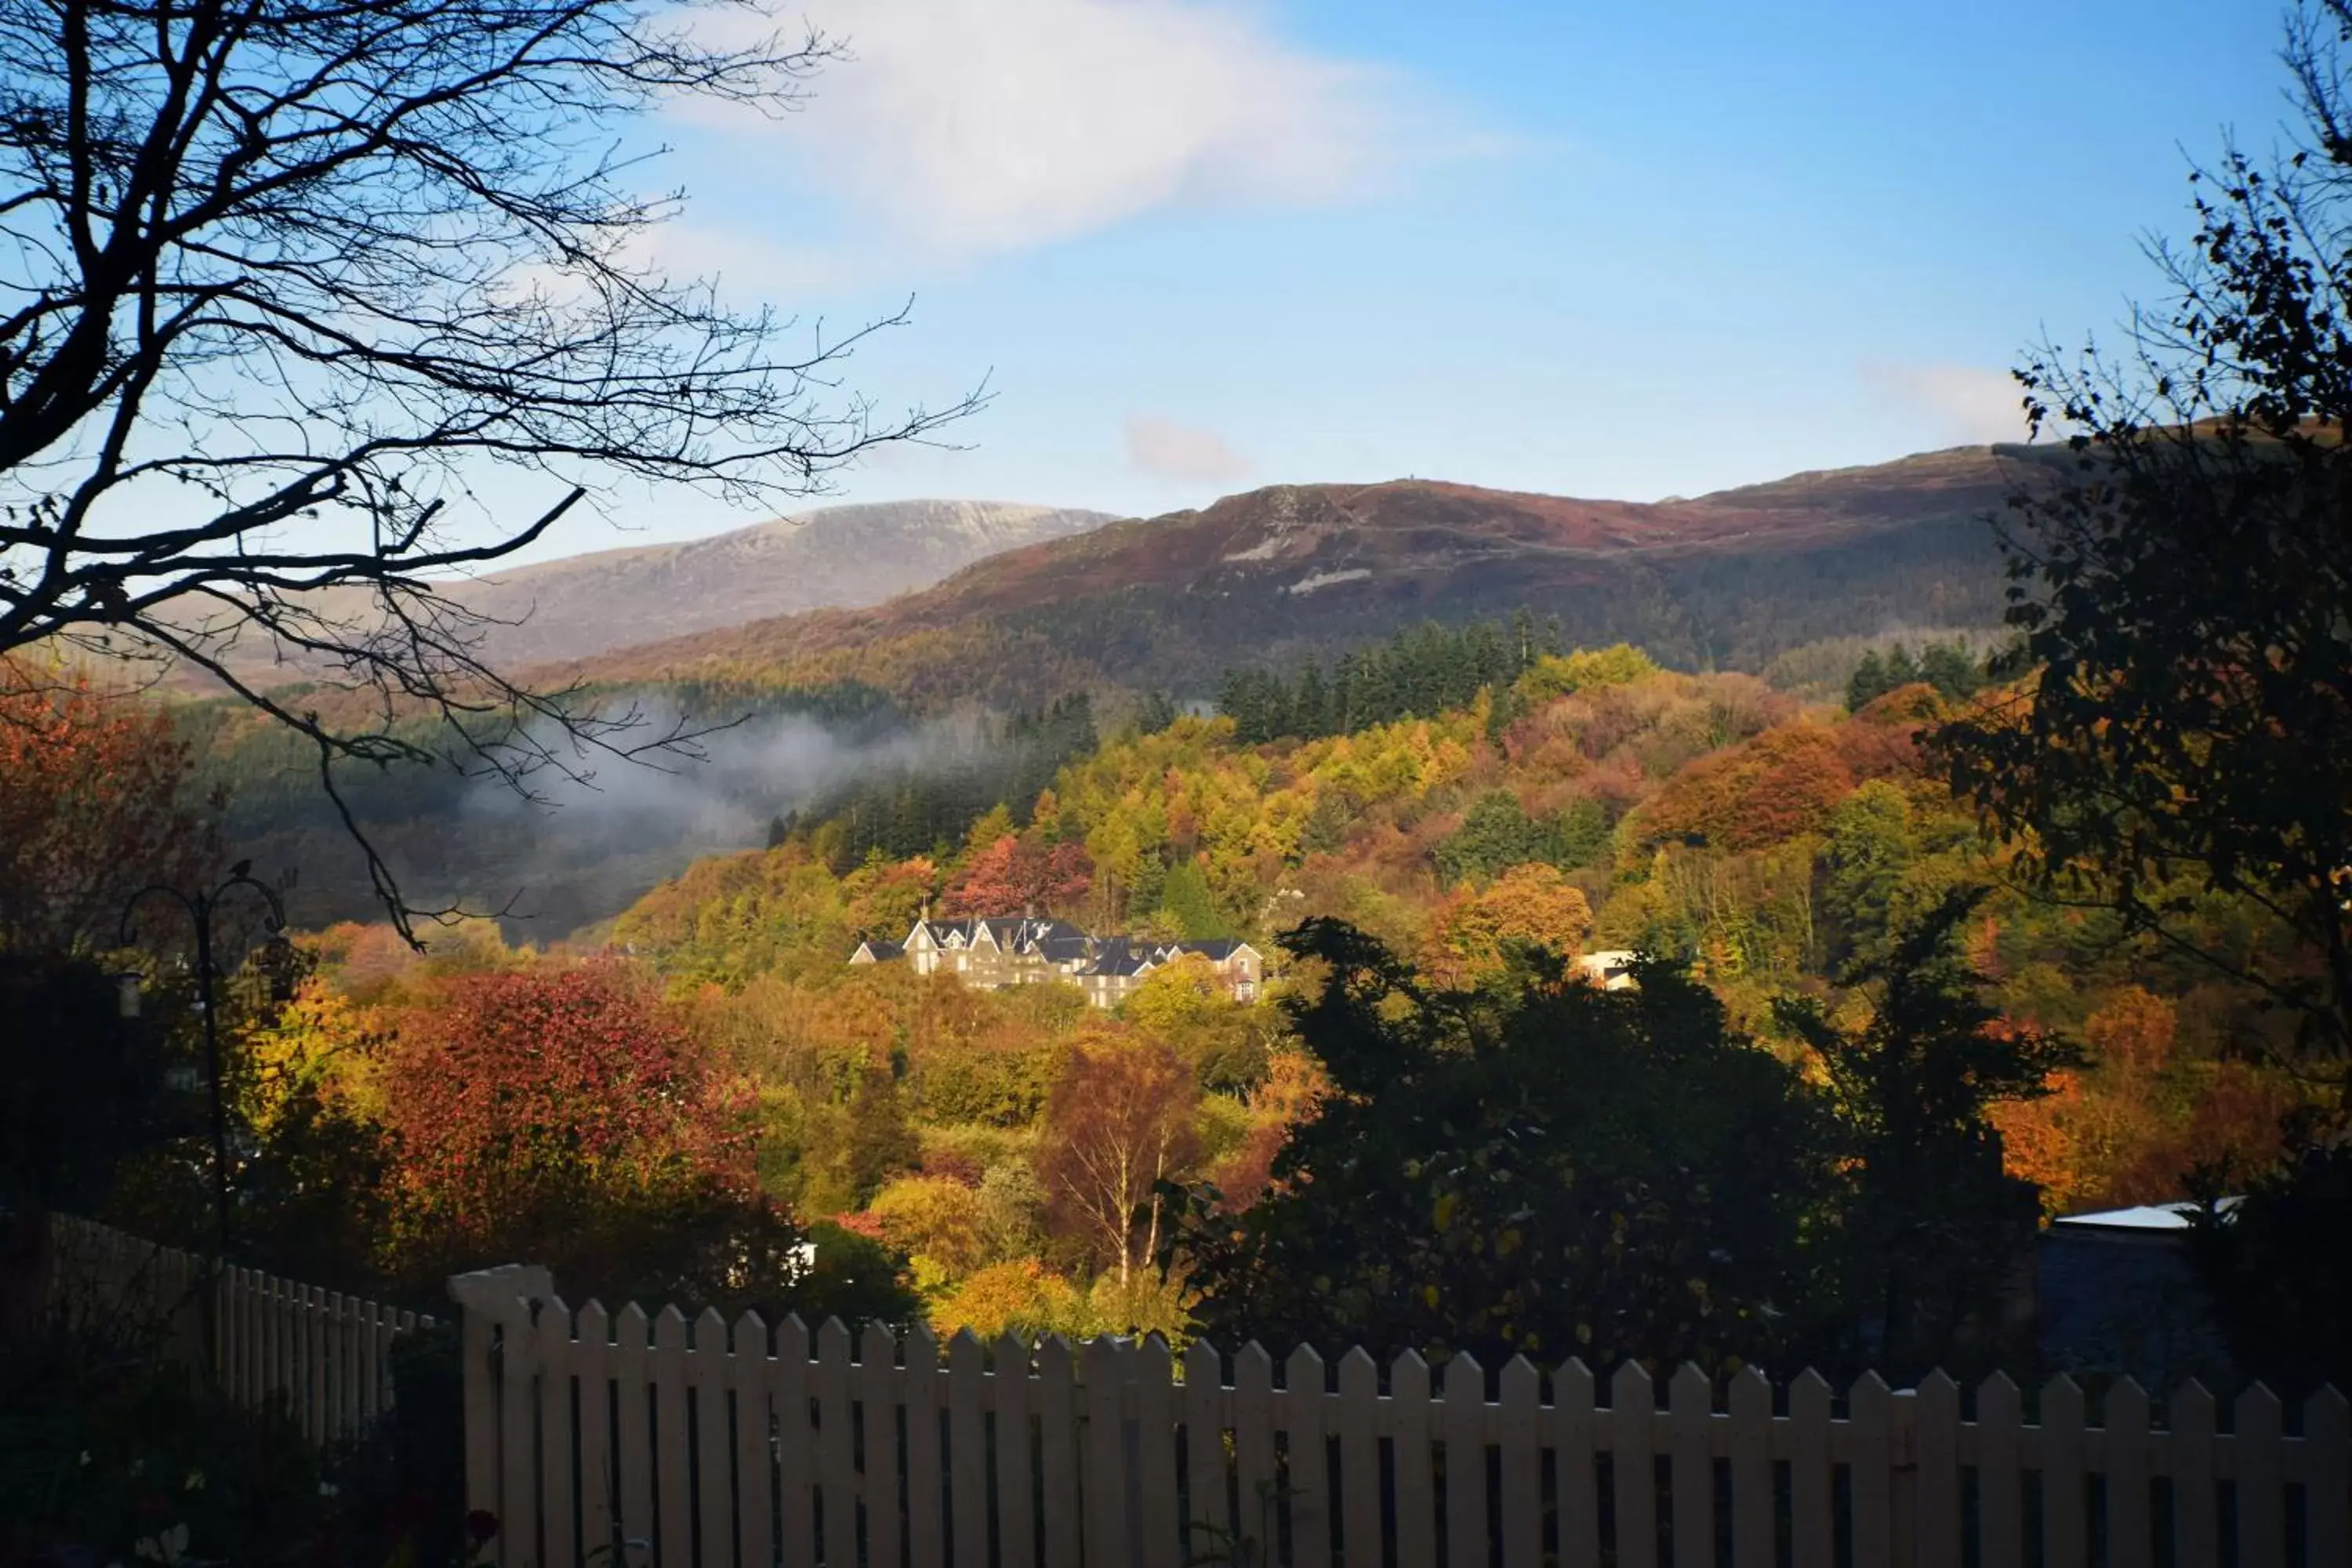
[1731, 579]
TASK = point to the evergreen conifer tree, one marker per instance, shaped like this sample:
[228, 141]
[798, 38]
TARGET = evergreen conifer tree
[1869, 682]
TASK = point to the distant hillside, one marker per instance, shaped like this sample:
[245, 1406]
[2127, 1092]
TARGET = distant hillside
[843, 556]
[1731, 579]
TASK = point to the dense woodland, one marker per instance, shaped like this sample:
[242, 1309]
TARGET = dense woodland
[708, 1075]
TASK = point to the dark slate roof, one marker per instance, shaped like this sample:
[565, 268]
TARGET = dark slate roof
[1029, 932]
[1073, 948]
[1217, 951]
[882, 951]
[1117, 955]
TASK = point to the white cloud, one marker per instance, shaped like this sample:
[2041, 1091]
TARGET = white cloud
[977, 126]
[1970, 403]
[1168, 450]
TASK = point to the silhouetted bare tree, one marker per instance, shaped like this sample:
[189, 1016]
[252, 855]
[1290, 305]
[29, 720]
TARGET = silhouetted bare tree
[277, 277]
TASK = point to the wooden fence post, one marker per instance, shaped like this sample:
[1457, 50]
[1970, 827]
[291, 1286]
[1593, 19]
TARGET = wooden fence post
[1460, 1419]
[1058, 1434]
[1690, 1398]
[2125, 1420]
[556, 1499]
[1206, 1508]
[878, 1392]
[1522, 1464]
[1752, 1499]
[1903, 1462]
[1254, 1474]
[926, 1475]
[755, 1505]
[1016, 1498]
[1575, 1481]
[673, 1484]
[2195, 1510]
[968, 1447]
[1632, 1449]
[1416, 1499]
[1360, 1460]
[1155, 1414]
[2000, 1483]
[2262, 1488]
[495, 1333]
[2065, 1533]
[1102, 1465]
[796, 1456]
[1935, 1454]
[592, 1357]
[714, 1448]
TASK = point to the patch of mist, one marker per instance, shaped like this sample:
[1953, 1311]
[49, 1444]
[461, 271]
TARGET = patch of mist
[592, 844]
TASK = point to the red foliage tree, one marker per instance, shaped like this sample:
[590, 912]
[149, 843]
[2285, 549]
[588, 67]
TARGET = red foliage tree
[530, 1102]
[1012, 876]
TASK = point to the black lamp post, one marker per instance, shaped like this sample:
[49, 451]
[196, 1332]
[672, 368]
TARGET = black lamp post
[199, 908]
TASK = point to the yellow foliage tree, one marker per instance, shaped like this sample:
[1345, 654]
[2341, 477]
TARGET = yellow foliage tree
[1022, 1296]
[1564, 675]
[933, 1219]
[321, 1043]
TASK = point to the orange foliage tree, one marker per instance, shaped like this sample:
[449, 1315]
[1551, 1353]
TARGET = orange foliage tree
[1778, 785]
[95, 803]
[1533, 905]
[1291, 1093]
[1122, 1121]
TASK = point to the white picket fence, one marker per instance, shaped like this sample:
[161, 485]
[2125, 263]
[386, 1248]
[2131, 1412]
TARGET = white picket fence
[324, 1356]
[620, 1438]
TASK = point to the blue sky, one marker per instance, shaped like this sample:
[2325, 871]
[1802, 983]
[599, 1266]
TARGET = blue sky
[1586, 248]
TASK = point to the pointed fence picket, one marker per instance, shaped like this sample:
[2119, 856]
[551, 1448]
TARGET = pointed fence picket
[321, 1357]
[652, 1440]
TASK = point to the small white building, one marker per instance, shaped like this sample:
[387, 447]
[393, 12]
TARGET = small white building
[1611, 971]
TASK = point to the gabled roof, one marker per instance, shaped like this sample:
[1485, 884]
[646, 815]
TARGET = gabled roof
[878, 951]
[1057, 942]
[2147, 1216]
[1012, 933]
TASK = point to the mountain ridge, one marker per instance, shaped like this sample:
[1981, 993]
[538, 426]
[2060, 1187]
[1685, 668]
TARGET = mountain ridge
[1270, 572]
[833, 557]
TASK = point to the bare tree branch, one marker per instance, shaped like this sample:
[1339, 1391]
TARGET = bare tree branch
[277, 277]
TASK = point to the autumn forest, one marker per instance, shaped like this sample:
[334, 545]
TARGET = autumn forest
[1887, 920]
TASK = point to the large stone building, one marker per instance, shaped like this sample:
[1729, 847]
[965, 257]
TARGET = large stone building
[993, 951]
